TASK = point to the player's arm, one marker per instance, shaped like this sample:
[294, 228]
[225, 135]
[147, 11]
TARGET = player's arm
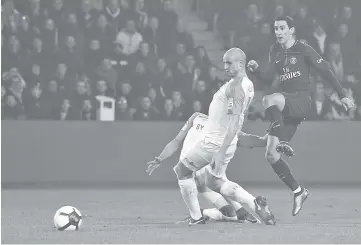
[250, 140]
[172, 146]
[315, 60]
[269, 74]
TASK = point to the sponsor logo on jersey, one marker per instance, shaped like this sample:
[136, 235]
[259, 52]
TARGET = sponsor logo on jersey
[290, 75]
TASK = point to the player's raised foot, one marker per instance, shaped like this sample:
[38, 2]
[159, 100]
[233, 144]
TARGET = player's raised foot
[200, 221]
[298, 200]
[285, 148]
[263, 211]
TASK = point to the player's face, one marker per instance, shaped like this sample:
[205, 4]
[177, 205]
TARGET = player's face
[230, 67]
[282, 31]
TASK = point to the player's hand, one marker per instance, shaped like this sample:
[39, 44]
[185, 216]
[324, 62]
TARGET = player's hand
[252, 65]
[153, 165]
[217, 165]
[347, 103]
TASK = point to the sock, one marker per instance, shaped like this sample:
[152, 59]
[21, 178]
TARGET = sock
[215, 214]
[241, 213]
[188, 189]
[276, 118]
[214, 198]
[238, 194]
[284, 173]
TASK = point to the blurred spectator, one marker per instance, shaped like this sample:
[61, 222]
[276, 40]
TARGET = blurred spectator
[51, 98]
[145, 112]
[167, 112]
[122, 111]
[151, 36]
[202, 59]
[33, 103]
[148, 58]
[154, 99]
[129, 38]
[14, 55]
[65, 112]
[213, 83]
[336, 61]
[167, 83]
[49, 35]
[126, 91]
[64, 78]
[179, 105]
[304, 23]
[141, 16]
[182, 36]
[57, 12]
[319, 39]
[118, 14]
[202, 95]
[197, 106]
[107, 73]
[87, 14]
[88, 111]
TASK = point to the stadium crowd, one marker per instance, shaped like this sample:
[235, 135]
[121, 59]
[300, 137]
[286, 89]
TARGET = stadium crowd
[58, 56]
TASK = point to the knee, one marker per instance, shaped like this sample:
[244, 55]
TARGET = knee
[272, 156]
[228, 189]
[273, 99]
[182, 172]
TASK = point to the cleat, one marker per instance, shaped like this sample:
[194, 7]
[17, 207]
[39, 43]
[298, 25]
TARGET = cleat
[251, 218]
[200, 221]
[263, 211]
[299, 200]
[285, 148]
[248, 217]
[184, 221]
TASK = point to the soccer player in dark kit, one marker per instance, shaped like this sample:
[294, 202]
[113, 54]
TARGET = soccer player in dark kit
[292, 61]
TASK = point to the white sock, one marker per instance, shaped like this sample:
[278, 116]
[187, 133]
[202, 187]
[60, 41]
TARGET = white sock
[236, 205]
[238, 194]
[214, 198]
[297, 190]
[215, 214]
[188, 189]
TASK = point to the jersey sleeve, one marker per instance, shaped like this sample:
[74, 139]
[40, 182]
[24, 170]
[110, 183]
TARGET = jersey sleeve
[189, 122]
[315, 60]
[238, 99]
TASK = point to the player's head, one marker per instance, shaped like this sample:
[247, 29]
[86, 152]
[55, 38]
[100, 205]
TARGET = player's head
[284, 29]
[234, 62]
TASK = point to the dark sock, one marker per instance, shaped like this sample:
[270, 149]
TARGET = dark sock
[241, 213]
[284, 173]
[276, 118]
[227, 211]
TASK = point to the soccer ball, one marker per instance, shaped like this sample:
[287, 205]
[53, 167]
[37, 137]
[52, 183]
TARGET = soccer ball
[67, 218]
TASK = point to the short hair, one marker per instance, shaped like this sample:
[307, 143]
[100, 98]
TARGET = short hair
[288, 20]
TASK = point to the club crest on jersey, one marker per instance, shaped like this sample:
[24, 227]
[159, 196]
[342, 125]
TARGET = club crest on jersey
[293, 60]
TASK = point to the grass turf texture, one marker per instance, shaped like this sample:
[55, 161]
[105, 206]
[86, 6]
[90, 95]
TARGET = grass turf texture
[149, 216]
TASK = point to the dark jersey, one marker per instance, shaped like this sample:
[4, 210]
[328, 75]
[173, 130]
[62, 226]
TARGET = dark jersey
[293, 66]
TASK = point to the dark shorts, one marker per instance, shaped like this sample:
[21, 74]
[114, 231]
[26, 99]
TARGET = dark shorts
[298, 106]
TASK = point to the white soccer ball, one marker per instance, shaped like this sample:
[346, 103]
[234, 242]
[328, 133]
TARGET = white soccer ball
[68, 218]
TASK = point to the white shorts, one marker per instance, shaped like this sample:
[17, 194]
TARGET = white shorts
[201, 175]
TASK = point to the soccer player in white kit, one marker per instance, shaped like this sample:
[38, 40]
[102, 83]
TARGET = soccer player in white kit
[225, 210]
[226, 114]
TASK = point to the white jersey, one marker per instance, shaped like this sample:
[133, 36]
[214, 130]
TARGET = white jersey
[195, 133]
[234, 97]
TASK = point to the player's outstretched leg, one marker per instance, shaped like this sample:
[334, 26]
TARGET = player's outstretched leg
[274, 105]
[188, 189]
[284, 173]
[258, 205]
[225, 209]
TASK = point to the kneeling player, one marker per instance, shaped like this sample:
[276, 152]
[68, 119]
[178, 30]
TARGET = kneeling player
[226, 209]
